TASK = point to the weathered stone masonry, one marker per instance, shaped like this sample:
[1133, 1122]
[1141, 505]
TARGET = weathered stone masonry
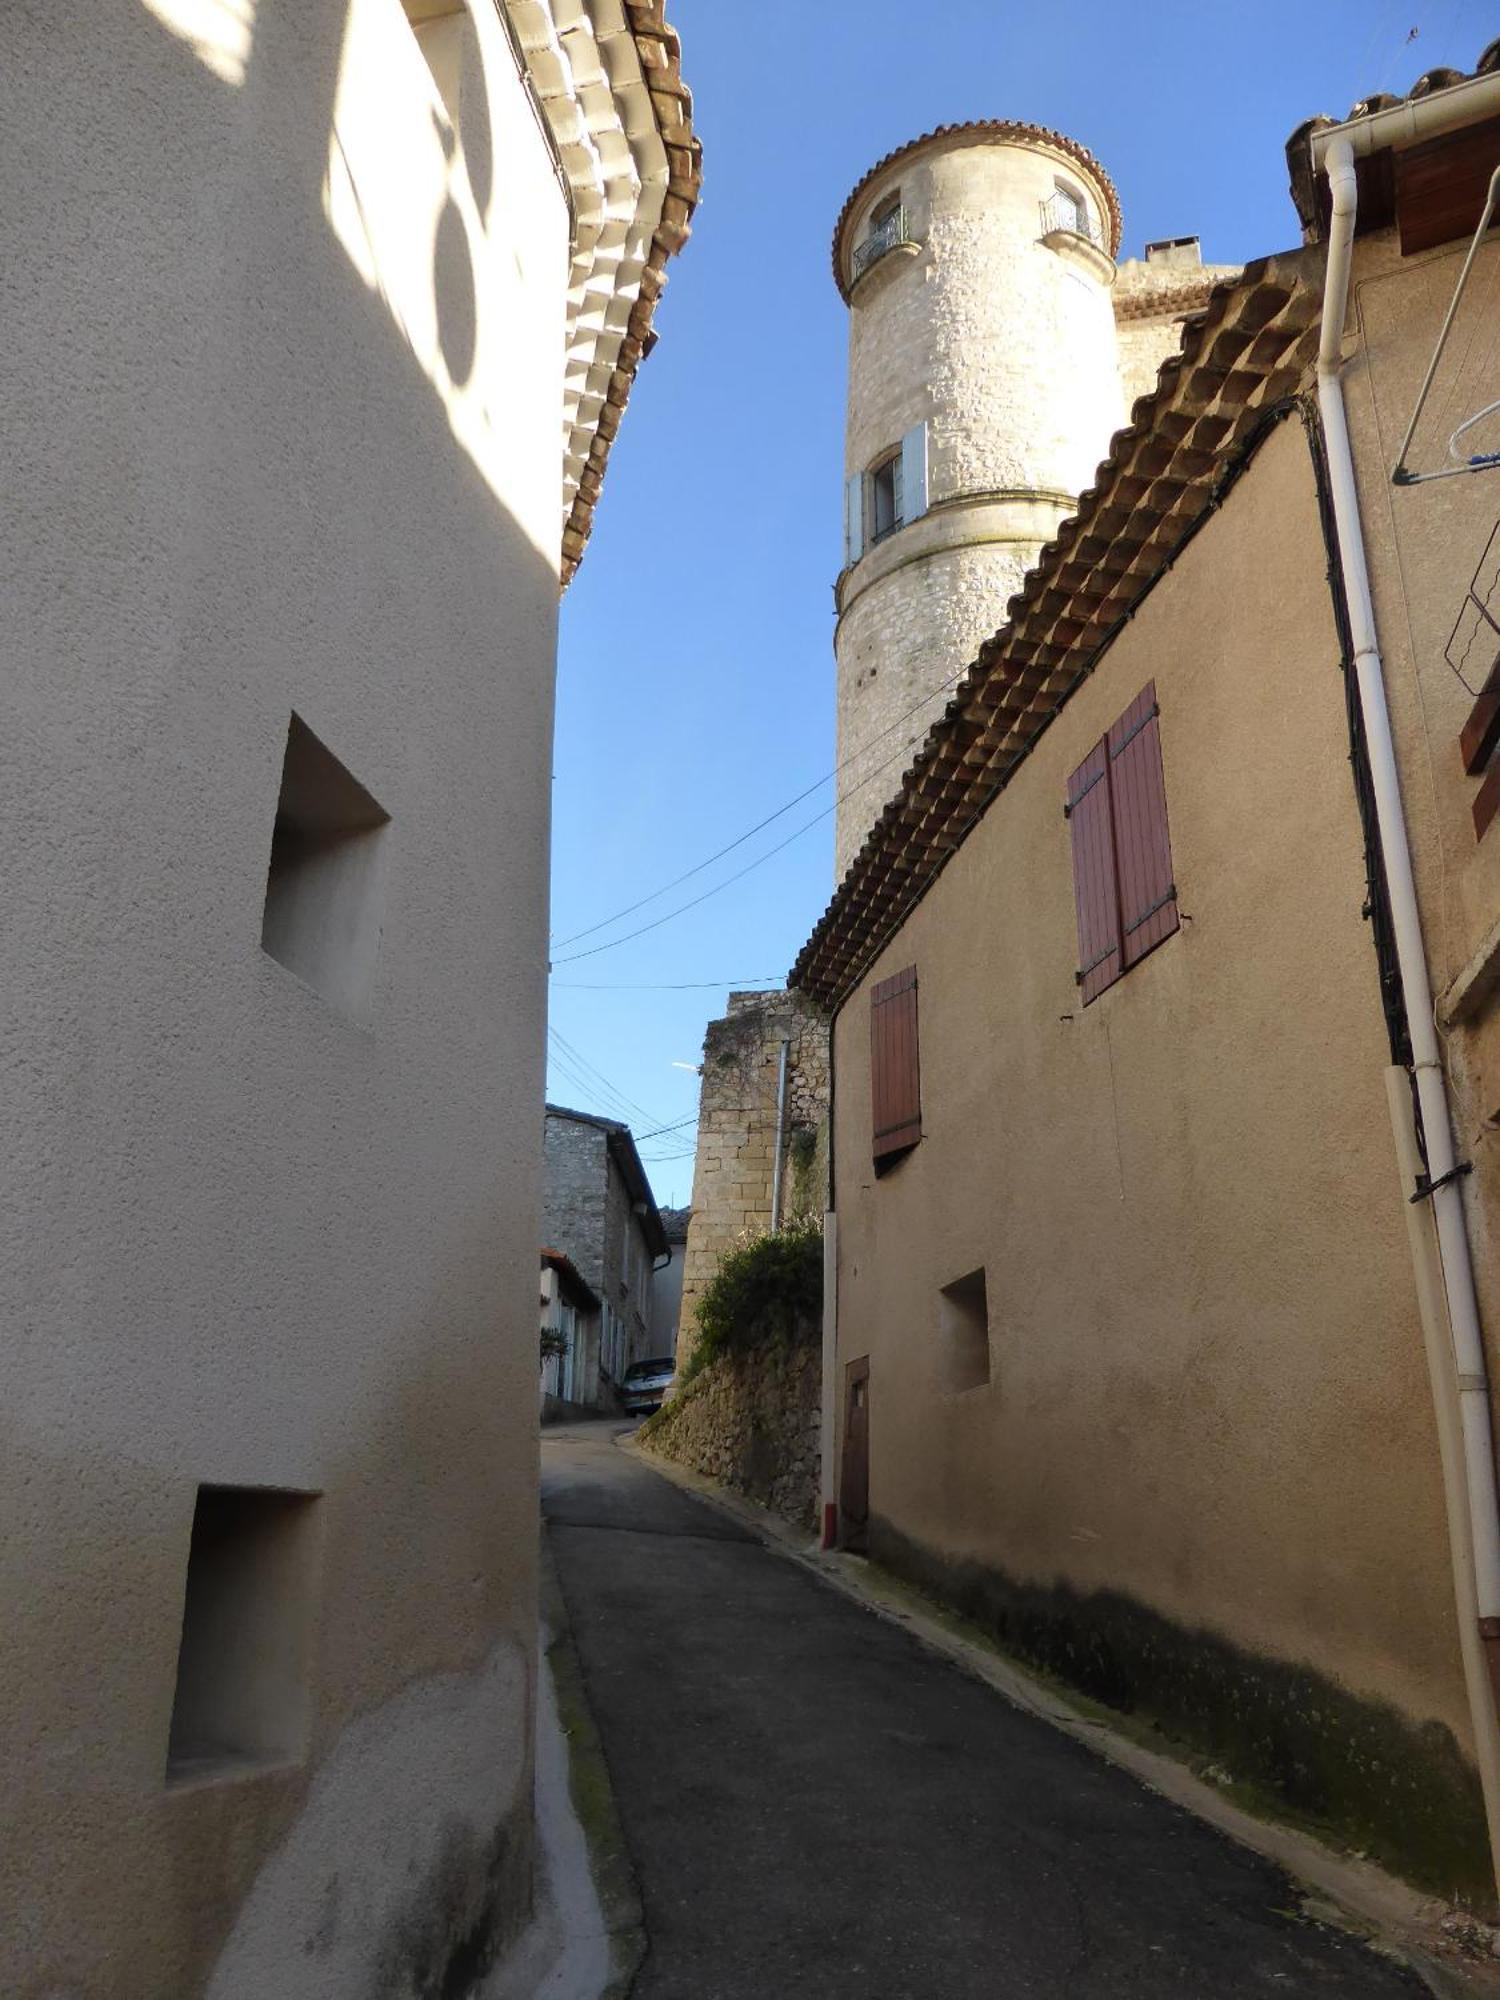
[734, 1172]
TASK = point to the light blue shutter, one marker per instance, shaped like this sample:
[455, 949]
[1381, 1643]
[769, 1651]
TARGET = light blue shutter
[914, 473]
[854, 518]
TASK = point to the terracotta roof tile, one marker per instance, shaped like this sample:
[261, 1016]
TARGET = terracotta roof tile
[1305, 193]
[660, 53]
[975, 131]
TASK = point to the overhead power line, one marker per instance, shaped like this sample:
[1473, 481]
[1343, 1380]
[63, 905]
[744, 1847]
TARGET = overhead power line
[760, 825]
[641, 1137]
[657, 922]
[740, 873]
[661, 986]
[579, 1070]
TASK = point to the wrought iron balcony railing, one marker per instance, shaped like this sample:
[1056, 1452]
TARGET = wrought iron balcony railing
[882, 236]
[1061, 211]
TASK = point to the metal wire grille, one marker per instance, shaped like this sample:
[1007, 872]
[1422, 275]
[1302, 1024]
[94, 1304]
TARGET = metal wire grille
[884, 235]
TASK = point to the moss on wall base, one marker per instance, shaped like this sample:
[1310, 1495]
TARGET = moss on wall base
[1295, 1743]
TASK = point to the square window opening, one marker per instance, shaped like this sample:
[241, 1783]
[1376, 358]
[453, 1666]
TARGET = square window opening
[325, 882]
[241, 1696]
[964, 1334]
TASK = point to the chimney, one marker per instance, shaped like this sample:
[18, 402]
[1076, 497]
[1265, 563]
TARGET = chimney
[1182, 250]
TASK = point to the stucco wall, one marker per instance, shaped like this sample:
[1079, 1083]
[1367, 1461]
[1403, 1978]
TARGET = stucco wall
[1424, 543]
[282, 431]
[1005, 347]
[1207, 1419]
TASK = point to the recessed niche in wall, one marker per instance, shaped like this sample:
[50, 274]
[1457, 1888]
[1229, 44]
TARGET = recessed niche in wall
[964, 1334]
[326, 878]
[242, 1661]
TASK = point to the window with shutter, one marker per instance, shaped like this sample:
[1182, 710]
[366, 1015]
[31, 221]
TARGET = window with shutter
[895, 1074]
[914, 474]
[884, 485]
[1122, 855]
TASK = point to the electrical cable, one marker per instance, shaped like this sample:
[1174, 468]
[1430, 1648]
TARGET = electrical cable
[661, 986]
[749, 868]
[828, 777]
[641, 1137]
[685, 907]
[579, 1070]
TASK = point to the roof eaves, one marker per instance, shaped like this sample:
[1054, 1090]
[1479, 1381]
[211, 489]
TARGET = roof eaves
[1303, 179]
[572, 1279]
[976, 131]
[622, 1145]
[660, 52]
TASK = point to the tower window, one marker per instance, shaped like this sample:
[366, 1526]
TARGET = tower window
[888, 496]
[885, 496]
[1067, 209]
[884, 230]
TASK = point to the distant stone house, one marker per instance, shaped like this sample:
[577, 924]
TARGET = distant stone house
[598, 1211]
[1166, 1227]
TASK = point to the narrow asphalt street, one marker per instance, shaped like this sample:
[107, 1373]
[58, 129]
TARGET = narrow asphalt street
[816, 1805]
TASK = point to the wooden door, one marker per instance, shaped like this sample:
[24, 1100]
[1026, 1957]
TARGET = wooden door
[854, 1479]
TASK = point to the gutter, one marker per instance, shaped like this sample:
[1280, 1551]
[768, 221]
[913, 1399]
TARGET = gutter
[1475, 1535]
[1413, 119]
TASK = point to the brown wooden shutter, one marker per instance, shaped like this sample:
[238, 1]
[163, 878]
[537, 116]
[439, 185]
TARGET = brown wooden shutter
[895, 1075]
[1094, 886]
[1143, 851]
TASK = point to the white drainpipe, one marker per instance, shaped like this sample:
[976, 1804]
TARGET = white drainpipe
[1335, 152]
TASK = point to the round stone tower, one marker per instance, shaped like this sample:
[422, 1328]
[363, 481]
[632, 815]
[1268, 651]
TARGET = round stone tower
[984, 387]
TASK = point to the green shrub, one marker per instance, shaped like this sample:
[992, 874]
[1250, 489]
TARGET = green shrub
[768, 1292]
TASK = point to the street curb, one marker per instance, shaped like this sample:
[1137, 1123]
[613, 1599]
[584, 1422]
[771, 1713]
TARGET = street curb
[591, 1789]
[1338, 1889]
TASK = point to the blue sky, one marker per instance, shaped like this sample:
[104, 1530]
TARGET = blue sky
[695, 686]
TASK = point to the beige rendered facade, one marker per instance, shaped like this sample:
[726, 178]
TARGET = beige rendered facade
[287, 338]
[1185, 1450]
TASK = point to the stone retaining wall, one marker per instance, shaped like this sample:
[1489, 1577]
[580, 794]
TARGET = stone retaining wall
[735, 1166]
[751, 1423]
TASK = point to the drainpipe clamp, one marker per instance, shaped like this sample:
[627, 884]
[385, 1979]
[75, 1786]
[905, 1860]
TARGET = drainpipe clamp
[1426, 1187]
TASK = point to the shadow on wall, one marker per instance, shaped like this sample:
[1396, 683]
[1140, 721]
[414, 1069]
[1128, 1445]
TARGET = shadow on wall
[266, 510]
[409, 178]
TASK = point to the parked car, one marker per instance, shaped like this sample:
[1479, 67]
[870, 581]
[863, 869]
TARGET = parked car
[645, 1385]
